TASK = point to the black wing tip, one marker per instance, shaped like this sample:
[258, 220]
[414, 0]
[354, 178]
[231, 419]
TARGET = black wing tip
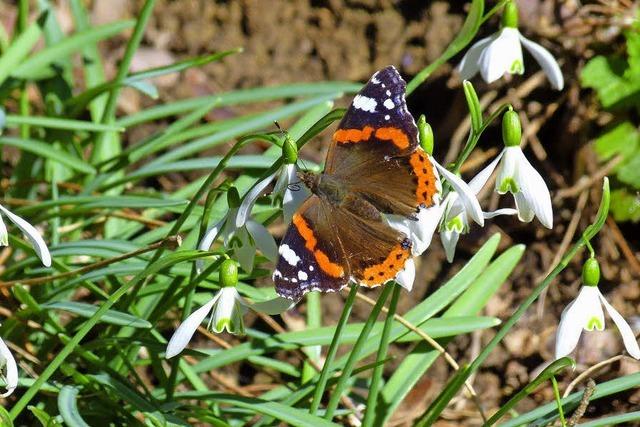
[389, 75]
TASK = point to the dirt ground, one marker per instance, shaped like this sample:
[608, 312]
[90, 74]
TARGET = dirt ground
[313, 40]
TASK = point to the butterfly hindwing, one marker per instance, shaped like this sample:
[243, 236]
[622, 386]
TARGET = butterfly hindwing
[310, 255]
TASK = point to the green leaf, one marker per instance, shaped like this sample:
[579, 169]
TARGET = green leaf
[623, 139]
[475, 110]
[626, 418]
[58, 123]
[45, 419]
[625, 206]
[287, 414]
[87, 310]
[629, 172]
[39, 65]
[19, 49]
[606, 76]
[68, 407]
[49, 151]
[5, 419]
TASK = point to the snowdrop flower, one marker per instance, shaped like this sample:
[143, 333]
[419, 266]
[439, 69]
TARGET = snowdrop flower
[456, 218]
[240, 233]
[502, 53]
[227, 308]
[286, 176]
[29, 231]
[585, 312]
[518, 177]
[8, 369]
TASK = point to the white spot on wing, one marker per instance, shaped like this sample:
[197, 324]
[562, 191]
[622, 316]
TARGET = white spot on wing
[388, 93]
[365, 103]
[302, 275]
[374, 80]
[288, 254]
[388, 103]
[311, 268]
[294, 280]
[387, 117]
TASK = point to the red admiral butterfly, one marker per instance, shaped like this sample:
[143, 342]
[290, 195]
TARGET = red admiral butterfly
[374, 167]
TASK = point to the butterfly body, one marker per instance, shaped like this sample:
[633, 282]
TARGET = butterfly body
[374, 169]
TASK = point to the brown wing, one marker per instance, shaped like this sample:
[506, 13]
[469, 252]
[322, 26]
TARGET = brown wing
[375, 252]
[311, 256]
[375, 150]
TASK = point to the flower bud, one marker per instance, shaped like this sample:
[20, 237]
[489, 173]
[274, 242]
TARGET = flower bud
[233, 198]
[510, 15]
[591, 272]
[511, 130]
[426, 134]
[228, 273]
[289, 150]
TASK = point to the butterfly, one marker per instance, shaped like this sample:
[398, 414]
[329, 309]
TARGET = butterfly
[374, 168]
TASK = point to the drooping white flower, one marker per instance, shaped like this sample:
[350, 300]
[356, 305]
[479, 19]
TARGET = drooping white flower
[456, 218]
[585, 312]
[8, 369]
[407, 275]
[227, 308]
[518, 177]
[29, 231]
[241, 236]
[502, 53]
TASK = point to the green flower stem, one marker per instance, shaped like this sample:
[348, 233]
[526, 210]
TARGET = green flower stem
[333, 348]
[547, 374]
[441, 402]
[376, 377]
[556, 394]
[345, 375]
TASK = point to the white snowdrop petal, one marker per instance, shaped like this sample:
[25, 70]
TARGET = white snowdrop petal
[292, 200]
[4, 235]
[32, 234]
[245, 253]
[185, 331]
[449, 239]
[209, 237]
[569, 330]
[535, 191]
[9, 369]
[470, 63]
[273, 306]
[628, 336]
[498, 212]
[508, 168]
[483, 176]
[263, 239]
[244, 211]
[407, 275]
[465, 194]
[227, 313]
[523, 207]
[547, 62]
[499, 56]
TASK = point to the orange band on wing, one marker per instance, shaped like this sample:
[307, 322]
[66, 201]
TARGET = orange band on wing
[388, 269]
[330, 268]
[352, 135]
[423, 169]
[397, 136]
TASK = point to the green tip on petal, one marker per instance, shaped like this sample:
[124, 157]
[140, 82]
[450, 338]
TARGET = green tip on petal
[508, 185]
[517, 67]
[455, 224]
[426, 134]
[510, 15]
[511, 129]
[594, 323]
[289, 150]
[233, 198]
[222, 324]
[591, 272]
[228, 273]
